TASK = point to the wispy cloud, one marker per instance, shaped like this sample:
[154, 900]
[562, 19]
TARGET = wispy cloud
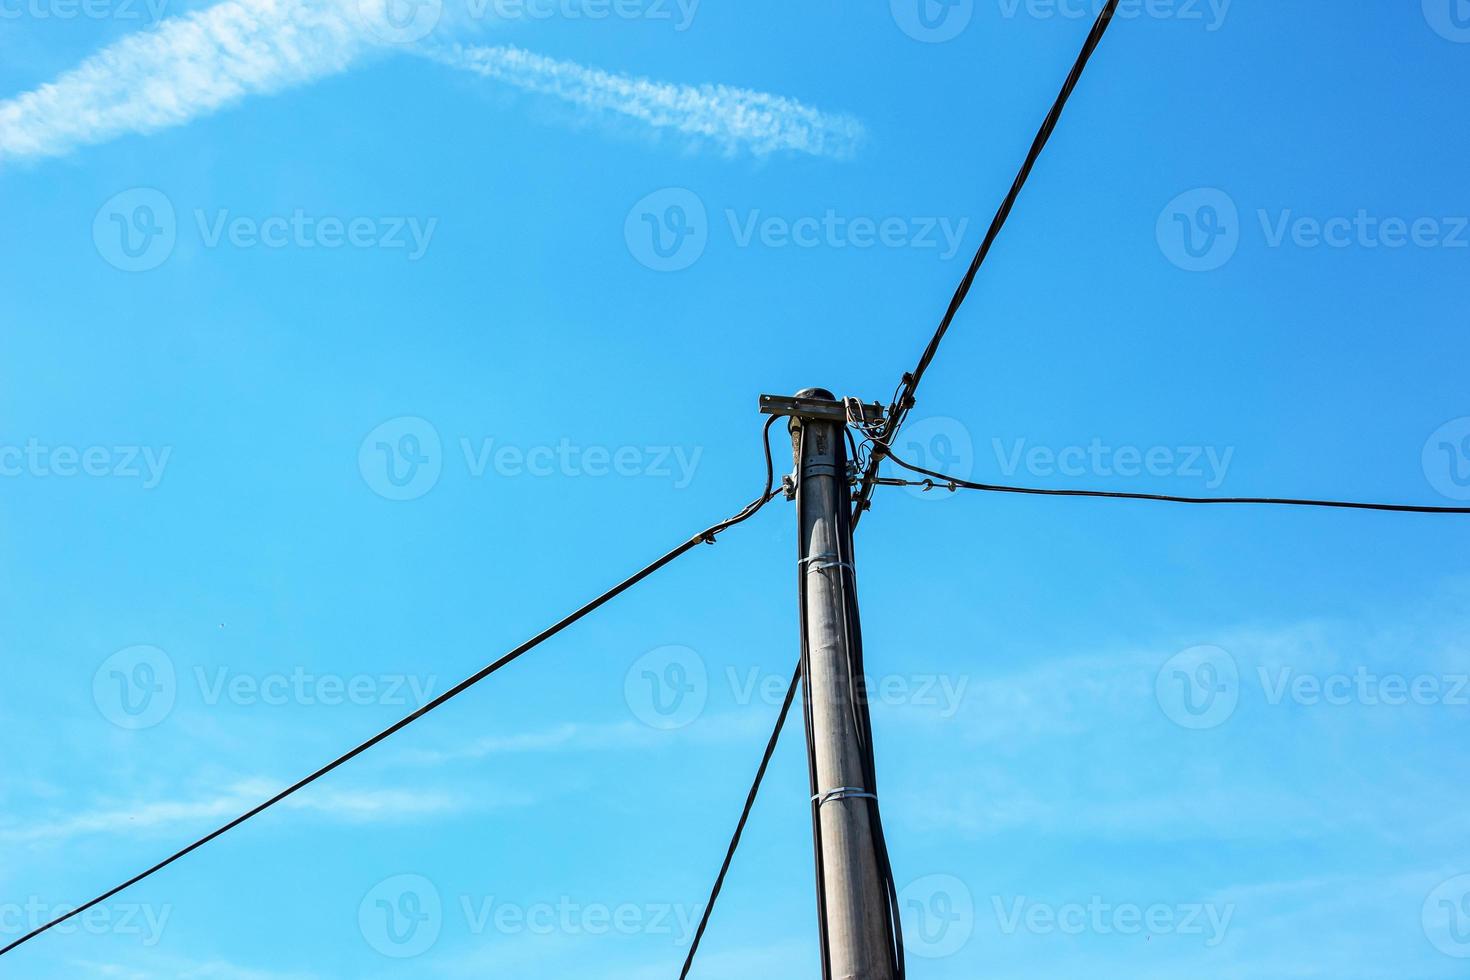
[185, 68]
[352, 805]
[197, 64]
[733, 118]
[180, 968]
[620, 736]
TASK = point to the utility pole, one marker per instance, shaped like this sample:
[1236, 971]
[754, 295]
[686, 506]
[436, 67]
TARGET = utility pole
[854, 901]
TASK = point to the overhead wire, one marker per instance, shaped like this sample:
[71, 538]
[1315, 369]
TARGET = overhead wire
[707, 536]
[903, 399]
[760, 775]
[947, 481]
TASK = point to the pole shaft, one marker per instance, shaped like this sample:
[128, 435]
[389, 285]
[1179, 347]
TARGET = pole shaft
[857, 927]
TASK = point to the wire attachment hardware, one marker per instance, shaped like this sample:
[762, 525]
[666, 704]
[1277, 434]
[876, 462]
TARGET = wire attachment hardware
[843, 793]
[824, 561]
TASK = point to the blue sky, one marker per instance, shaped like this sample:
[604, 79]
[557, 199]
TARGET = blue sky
[342, 352]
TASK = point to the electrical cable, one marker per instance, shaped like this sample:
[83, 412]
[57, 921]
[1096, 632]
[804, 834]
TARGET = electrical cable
[706, 536]
[903, 399]
[956, 482]
[760, 775]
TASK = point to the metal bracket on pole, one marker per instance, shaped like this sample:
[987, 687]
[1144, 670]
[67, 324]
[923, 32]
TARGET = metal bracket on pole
[829, 410]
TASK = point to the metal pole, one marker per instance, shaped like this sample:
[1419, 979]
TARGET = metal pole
[853, 897]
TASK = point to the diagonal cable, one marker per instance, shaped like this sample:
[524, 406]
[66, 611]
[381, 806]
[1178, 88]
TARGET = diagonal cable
[760, 775]
[903, 399]
[945, 481]
[706, 536]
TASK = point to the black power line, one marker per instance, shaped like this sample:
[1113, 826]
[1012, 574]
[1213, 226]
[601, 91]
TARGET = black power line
[760, 775]
[903, 399]
[706, 536]
[944, 481]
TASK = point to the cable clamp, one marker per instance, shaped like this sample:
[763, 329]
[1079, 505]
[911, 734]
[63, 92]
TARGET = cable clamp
[843, 793]
[824, 561]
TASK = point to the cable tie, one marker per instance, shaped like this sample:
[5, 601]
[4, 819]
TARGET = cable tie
[824, 561]
[843, 793]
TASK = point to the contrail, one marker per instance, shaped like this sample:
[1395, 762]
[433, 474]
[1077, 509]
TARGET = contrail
[731, 117]
[185, 68]
[197, 64]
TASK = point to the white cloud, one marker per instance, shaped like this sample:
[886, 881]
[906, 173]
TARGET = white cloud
[617, 736]
[185, 68]
[197, 64]
[733, 118]
[352, 805]
[181, 969]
